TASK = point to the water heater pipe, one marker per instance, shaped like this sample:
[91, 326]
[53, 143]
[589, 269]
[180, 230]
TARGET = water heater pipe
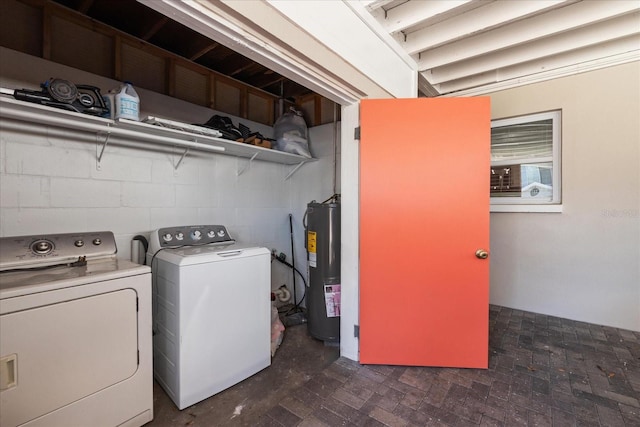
[282, 294]
[293, 259]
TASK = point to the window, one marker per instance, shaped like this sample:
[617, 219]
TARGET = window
[525, 163]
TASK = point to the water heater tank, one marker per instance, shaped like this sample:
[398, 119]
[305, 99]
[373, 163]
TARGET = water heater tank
[323, 255]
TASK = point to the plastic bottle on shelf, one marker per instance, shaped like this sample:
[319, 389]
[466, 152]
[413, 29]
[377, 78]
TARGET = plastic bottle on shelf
[127, 103]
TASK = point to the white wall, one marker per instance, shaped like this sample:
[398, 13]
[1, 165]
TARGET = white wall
[50, 183]
[583, 263]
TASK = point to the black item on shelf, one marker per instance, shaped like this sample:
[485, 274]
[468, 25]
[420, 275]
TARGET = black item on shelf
[225, 126]
[63, 94]
[245, 131]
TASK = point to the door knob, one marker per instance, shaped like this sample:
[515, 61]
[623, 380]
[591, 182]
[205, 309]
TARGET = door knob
[482, 254]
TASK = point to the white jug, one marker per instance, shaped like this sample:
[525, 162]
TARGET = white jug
[127, 103]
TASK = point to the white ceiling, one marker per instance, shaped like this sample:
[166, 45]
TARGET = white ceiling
[466, 47]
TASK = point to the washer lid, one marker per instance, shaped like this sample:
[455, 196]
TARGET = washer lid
[208, 253]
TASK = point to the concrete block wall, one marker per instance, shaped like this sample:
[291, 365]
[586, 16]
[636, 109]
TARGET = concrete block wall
[52, 183]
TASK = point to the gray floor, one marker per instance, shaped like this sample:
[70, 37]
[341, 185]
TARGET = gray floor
[298, 359]
[544, 371]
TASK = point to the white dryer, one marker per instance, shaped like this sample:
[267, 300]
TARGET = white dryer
[75, 333]
[212, 311]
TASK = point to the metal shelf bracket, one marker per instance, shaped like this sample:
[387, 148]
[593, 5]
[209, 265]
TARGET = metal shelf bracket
[184, 154]
[100, 151]
[294, 170]
[247, 165]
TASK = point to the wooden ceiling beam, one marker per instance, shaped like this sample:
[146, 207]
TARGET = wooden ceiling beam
[204, 51]
[232, 63]
[277, 78]
[154, 28]
[255, 76]
[241, 69]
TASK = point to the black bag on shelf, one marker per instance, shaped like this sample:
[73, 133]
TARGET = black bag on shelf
[225, 126]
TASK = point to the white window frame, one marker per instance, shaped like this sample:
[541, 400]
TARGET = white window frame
[517, 204]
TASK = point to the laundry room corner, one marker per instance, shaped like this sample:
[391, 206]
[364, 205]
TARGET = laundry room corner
[62, 179]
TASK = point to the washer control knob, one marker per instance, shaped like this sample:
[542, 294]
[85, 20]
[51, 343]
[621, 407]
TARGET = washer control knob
[196, 235]
[97, 241]
[221, 233]
[211, 234]
[179, 235]
[42, 247]
[78, 243]
[167, 237]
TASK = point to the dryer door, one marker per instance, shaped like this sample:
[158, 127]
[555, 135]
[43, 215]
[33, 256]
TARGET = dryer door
[57, 354]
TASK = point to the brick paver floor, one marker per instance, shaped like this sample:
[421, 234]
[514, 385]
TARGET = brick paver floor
[543, 371]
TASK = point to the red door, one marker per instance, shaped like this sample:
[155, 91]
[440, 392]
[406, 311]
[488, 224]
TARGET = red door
[424, 213]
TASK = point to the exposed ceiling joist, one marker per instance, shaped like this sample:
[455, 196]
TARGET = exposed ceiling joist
[372, 5]
[414, 13]
[257, 69]
[162, 30]
[270, 80]
[204, 51]
[618, 28]
[456, 46]
[154, 28]
[491, 16]
[574, 62]
[543, 26]
[477, 46]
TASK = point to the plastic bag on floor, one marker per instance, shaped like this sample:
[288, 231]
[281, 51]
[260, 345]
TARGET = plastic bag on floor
[277, 330]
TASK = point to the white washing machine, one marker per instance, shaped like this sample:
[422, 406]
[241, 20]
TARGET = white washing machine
[212, 311]
[75, 333]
